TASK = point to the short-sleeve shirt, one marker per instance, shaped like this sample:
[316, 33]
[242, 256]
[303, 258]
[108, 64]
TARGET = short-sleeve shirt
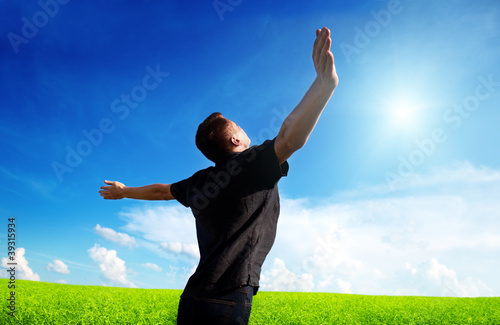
[236, 207]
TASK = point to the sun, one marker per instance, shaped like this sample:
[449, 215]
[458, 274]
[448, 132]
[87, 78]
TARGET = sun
[404, 113]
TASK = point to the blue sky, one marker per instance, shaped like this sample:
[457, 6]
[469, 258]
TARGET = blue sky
[396, 192]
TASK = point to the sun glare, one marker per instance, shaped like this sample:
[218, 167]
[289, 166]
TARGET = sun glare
[403, 114]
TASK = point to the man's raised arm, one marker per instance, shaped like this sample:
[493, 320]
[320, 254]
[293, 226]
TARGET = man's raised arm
[117, 190]
[299, 124]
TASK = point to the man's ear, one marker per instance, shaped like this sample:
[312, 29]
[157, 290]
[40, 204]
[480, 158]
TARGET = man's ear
[235, 141]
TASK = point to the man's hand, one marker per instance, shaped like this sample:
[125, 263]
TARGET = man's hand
[323, 59]
[113, 192]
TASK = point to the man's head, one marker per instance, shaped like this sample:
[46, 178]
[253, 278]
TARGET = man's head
[217, 136]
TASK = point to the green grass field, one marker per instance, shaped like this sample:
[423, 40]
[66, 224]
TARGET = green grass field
[49, 303]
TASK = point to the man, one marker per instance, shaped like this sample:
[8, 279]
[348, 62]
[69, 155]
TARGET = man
[236, 202]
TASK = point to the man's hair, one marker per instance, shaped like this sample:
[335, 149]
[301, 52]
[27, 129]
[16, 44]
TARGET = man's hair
[212, 137]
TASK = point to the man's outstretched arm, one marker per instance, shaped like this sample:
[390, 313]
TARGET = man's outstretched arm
[299, 124]
[117, 190]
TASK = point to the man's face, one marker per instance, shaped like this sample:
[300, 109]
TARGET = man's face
[239, 134]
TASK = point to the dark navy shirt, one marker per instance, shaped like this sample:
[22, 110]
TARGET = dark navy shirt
[236, 206]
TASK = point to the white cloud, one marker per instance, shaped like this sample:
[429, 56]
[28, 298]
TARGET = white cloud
[58, 266]
[279, 278]
[111, 266]
[152, 266]
[62, 281]
[170, 223]
[117, 237]
[181, 248]
[179, 275]
[23, 271]
[345, 287]
[361, 242]
[166, 230]
[436, 279]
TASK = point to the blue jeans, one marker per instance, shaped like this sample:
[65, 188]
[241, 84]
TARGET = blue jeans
[231, 307]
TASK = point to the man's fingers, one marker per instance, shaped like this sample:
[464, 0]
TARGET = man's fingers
[325, 51]
[105, 190]
[327, 31]
[318, 45]
[326, 43]
[324, 35]
[321, 49]
[315, 48]
[106, 195]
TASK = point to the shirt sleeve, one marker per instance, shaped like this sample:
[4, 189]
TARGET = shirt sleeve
[179, 191]
[268, 169]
